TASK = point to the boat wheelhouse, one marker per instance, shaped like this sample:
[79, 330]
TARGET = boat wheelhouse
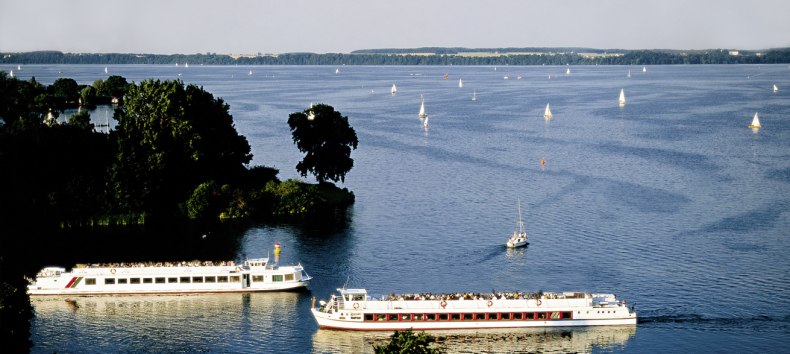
[354, 309]
[169, 278]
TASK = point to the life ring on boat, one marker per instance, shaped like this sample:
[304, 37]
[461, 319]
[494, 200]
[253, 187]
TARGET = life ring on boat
[112, 270]
[490, 303]
[443, 303]
[356, 305]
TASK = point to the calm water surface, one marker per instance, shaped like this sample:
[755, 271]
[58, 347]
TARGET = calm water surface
[670, 202]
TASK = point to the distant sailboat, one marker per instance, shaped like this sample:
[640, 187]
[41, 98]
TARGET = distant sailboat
[776, 89]
[568, 71]
[310, 113]
[249, 73]
[622, 98]
[519, 236]
[425, 123]
[547, 114]
[176, 63]
[337, 71]
[186, 65]
[11, 74]
[644, 69]
[629, 74]
[394, 89]
[460, 83]
[505, 77]
[105, 70]
[474, 95]
[422, 113]
[755, 122]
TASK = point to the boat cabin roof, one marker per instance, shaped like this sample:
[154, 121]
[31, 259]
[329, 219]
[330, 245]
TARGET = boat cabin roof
[257, 262]
[352, 291]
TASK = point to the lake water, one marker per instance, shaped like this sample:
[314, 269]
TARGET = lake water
[670, 202]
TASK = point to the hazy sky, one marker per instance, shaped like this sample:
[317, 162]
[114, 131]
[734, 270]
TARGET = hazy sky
[247, 26]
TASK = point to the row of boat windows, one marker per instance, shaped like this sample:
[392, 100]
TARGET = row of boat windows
[192, 279]
[480, 316]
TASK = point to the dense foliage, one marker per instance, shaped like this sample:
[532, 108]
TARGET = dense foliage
[408, 342]
[426, 56]
[174, 155]
[327, 139]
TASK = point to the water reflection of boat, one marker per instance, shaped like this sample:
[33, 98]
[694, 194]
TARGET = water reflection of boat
[169, 277]
[527, 340]
[185, 323]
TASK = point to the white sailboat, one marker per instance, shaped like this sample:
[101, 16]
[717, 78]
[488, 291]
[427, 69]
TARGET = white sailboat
[394, 89]
[18, 67]
[337, 71]
[422, 113]
[519, 236]
[775, 89]
[755, 122]
[186, 65]
[249, 73]
[460, 83]
[644, 69]
[105, 70]
[629, 74]
[568, 71]
[547, 113]
[474, 95]
[621, 100]
[11, 74]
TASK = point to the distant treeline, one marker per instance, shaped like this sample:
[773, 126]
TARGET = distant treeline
[423, 56]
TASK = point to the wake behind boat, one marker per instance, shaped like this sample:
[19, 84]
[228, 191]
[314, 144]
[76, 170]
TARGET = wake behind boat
[354, 309]
[168, 278]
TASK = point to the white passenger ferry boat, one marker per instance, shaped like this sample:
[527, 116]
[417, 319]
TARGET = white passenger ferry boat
[354, 309]
[169, 278]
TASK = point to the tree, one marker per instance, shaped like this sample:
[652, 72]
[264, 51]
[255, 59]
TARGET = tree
[327, 139]
[407, 342]
[114, 86]
[81, 119]
[169, 139]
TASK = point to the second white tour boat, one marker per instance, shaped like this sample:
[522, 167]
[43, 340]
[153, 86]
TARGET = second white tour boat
[169, 278]
[354, 309]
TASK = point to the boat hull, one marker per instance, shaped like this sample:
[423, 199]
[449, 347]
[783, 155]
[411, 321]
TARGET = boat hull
[326, 322]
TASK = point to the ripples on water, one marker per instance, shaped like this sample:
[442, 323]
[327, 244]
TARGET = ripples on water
[671, 201]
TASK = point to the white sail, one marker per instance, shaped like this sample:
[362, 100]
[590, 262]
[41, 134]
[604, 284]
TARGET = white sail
[474, 95]
[629, 74]
[568, 71]
[337, 71]
[460, 83]
[425, 123]
[11, 74]
[755, 122]
[186, 65]
[394, 89]
[547, 114]
[422, 108]
[644, 69]
[622, 98]
[249, 73]
[19, 67]
[775, 88]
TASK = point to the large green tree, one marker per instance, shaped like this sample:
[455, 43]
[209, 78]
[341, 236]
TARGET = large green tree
[171, 138]
[327, 139]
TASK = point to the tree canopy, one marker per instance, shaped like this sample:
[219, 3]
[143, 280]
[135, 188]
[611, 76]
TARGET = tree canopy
[169, 139]
[326, 138]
